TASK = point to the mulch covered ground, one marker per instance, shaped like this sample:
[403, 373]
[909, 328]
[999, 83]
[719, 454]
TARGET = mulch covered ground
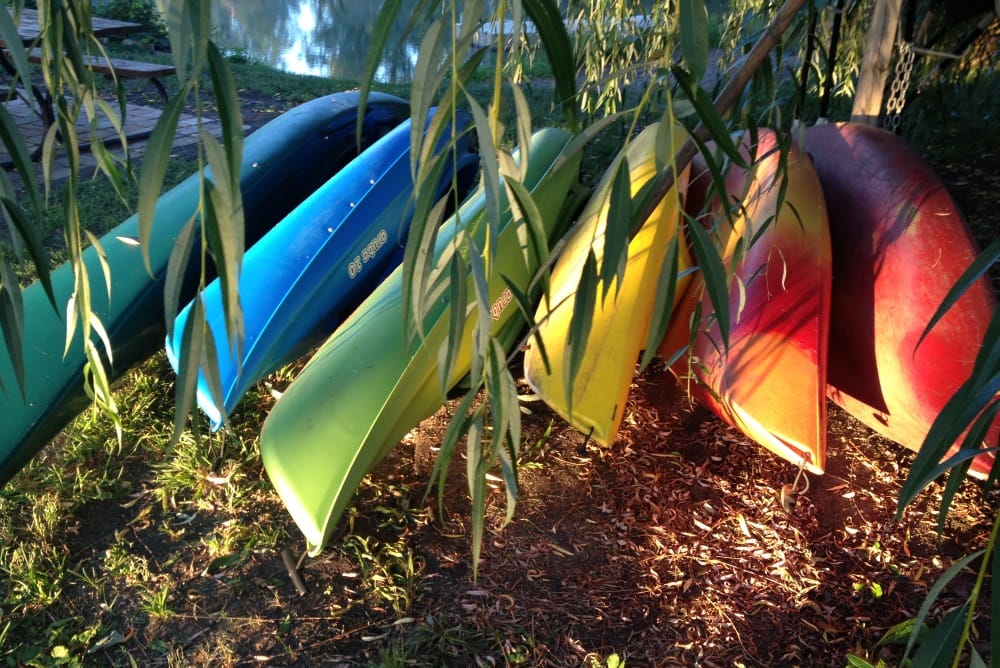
[671, 548]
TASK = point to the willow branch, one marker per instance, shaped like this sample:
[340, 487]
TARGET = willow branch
[726, 99]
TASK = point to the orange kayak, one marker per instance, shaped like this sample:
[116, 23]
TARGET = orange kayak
[899, 244]
[771, 380]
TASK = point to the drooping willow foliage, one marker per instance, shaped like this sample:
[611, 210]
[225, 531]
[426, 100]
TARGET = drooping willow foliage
[610, 59]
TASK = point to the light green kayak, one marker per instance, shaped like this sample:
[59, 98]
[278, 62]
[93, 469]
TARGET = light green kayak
[368, 385]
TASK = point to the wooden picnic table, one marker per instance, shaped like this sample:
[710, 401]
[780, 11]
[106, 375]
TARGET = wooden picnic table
[30, 30]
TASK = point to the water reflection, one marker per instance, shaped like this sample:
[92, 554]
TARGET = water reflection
[326, 38]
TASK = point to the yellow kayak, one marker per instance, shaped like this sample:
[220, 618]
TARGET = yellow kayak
[621, 320]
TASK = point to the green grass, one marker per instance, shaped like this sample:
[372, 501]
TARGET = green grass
[102, 210]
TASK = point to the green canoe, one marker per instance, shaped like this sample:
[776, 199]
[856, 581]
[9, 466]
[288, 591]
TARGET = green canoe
[283, 162]
[368, 385]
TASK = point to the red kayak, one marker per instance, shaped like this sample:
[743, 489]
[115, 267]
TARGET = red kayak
[771, 381]
[899, 244]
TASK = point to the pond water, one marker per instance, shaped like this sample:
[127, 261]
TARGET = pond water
[327, 38]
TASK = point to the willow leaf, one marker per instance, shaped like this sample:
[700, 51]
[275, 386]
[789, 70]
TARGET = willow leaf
[584, 305]
[469, 68]
[476, 476]
[960, 462]
[49, 145]
[955, 480]
[201, 34]
[530, 229]
[953, 419]
[489, 163]
[154, 169]
[932, 595]
[693, 20]
[427, 77]
[71, 311]
[192, 344]
[107, 164]
[988, 358]
[976, 659]
[666, 293]
[381, 29]
[617, 226]
[714, 273]
[471, 9]
[98, 328]
[97, 386]
[548, 20]
[12, 322]
[962, 456]
[456, 321]
[209, 369]
[523, 125]
[231, 120]
[504, 406]
[102, 258]
[507, 422]
[708, 115]
[225, 243]
[28, 233]
[177, 16]
[17, 149]
[481, 304]
[526, 305]
[665, 150]
[581, 140]
[940, 645]
[717, 185]
[433, 154]
[428, 213]
[177, 266]
[457, 428]
[17, 56]
[975, 271]
[418, 265]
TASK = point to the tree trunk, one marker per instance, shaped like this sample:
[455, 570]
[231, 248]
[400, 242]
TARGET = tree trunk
[875, 65]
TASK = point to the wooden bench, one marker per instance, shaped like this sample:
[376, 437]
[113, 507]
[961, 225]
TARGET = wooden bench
[132, 69]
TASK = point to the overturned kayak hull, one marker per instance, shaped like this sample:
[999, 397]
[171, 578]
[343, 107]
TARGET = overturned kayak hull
[290, 156]
[899, 244]
[770, 380]
[621, 318]
[369, 383]
[306, 275]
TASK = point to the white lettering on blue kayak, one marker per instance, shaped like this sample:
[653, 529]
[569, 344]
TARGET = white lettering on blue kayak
[368, 253]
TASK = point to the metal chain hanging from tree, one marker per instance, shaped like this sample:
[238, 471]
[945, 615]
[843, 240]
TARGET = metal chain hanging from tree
[899, 86]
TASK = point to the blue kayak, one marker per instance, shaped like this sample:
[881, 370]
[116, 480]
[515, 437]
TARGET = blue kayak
[306, 275]
[283, 162]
